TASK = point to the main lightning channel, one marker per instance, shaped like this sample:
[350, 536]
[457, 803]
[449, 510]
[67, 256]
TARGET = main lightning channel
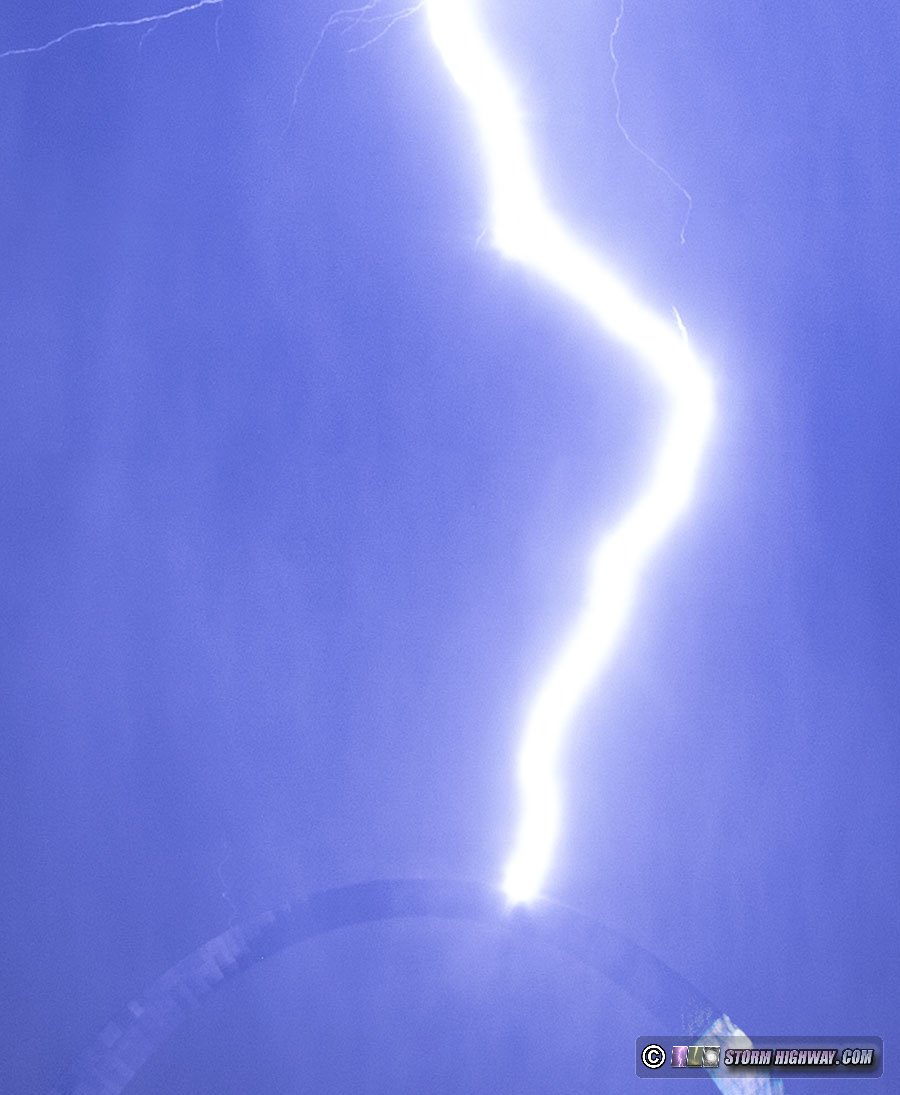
[526, 229]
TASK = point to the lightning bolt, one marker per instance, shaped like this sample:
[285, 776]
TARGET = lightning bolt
[526, 229]
[141, 21]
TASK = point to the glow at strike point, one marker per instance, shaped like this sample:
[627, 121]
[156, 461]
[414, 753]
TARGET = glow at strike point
[525, 228]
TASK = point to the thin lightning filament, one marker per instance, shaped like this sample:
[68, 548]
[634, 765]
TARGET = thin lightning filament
[150, 21]
[526, 229]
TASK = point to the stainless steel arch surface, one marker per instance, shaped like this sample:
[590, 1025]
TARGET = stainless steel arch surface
[125, 1044]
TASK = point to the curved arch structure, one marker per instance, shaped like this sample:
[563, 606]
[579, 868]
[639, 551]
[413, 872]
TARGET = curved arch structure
[127, 1042]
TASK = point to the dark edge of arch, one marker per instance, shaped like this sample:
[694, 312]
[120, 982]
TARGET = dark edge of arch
[127, 1041]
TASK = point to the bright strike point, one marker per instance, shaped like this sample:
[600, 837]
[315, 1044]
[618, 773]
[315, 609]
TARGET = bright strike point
[526, 228]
